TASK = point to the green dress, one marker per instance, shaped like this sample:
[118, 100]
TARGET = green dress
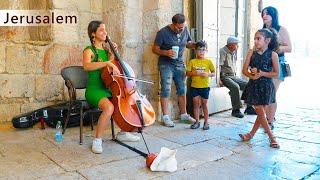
[96, 89]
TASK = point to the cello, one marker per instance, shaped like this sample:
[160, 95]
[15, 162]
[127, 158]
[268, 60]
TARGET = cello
[132, 110]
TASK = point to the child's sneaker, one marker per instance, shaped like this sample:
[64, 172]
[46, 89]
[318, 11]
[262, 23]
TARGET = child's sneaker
[187, 119]
[167, 121]
[97, 146]
[128, 137]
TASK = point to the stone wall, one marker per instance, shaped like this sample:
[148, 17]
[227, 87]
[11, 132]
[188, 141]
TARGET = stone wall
[31, 58]
[157, 14]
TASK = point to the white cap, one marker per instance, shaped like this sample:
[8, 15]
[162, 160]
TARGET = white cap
[232, 40]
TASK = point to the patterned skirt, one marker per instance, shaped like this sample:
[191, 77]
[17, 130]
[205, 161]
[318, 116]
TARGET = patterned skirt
[259, 92]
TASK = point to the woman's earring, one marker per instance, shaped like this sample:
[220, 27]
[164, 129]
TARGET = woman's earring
[93, 38]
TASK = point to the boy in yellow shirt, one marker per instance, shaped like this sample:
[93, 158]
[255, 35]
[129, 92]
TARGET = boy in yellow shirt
[200, 70]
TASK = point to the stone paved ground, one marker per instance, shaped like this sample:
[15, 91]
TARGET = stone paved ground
[213, 154]
[216, 153]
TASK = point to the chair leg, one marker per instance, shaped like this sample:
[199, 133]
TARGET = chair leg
[81, 125]
[91, 123]
[67, 120]
[112, 130]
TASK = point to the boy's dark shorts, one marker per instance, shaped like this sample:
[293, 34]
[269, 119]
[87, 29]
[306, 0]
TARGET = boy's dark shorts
[203, 92]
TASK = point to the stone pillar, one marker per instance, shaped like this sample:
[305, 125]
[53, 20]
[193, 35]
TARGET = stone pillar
[127, 26]
[133, 25]
[255, 21]
[157, 14]
[227, 21]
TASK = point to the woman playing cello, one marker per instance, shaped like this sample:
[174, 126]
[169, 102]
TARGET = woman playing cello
[95, 57]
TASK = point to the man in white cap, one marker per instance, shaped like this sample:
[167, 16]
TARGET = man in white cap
[228, 76]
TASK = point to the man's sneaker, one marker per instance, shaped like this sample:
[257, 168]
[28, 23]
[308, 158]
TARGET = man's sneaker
[97, 146]
[126, 136]
[186, 118]
[167, 121]
[237, 113]
[250, 111]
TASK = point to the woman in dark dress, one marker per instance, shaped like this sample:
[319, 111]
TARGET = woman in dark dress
[261, 65]
[270, 17]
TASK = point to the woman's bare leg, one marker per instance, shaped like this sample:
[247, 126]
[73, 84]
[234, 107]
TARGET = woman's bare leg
[107, 109]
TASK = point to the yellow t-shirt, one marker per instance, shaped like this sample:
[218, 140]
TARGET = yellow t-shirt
[200, 65]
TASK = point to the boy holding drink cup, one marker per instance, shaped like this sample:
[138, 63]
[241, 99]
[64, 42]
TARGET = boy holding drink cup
[200, 70]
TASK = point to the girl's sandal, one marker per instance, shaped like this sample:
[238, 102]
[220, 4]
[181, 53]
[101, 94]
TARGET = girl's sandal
[245, 137]
[274, 144]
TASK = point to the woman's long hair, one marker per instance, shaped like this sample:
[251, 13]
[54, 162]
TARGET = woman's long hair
[92, 28]
[273, 12]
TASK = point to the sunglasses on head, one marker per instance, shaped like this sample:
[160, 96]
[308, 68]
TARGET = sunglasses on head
[201, 49]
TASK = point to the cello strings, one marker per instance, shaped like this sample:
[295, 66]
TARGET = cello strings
[141, 80]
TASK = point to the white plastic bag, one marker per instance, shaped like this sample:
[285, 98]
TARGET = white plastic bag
[165, 161]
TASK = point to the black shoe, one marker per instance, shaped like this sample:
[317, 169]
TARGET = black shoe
[237, 113]
[250, 111]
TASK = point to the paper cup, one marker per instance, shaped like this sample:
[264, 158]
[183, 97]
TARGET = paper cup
[176, 52]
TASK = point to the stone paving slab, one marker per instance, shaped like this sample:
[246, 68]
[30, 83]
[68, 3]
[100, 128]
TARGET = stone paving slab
[187, 157]
[230, 144]
[19, 160]
[276, 166]
[74, 156]
[197, 154]
[183, 135]
[222, 169]
[21, 155]
[132, 168]
[315, 176]
[275, 163]
[64, 176]
[154, 143]
[299, 147]
[292, 170]
[67, 152]
[304, 158]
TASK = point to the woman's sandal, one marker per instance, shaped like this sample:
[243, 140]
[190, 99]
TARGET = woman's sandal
[245, 137]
